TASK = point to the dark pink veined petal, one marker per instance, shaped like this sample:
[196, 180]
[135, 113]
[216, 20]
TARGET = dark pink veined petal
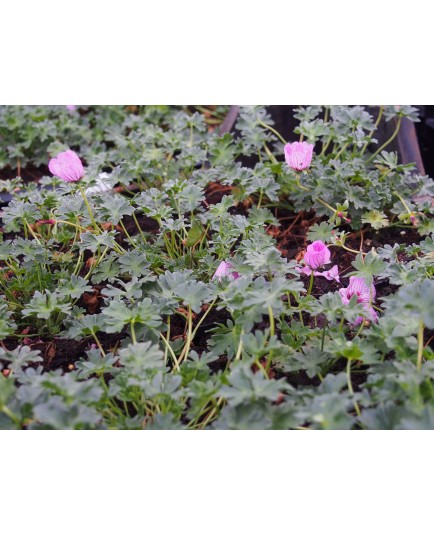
[365, 295]
[317, 254]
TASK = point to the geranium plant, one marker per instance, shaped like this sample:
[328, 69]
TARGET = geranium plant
[156, 273]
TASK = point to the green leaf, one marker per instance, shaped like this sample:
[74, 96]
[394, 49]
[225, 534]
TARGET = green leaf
[368, 266]
[194, 235]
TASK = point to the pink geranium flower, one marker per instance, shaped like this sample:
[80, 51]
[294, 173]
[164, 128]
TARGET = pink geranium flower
[67, 166]
[71, 107]
[365, 295]
[331, 274]
[317, 254]
[225, 270]
[298, 155]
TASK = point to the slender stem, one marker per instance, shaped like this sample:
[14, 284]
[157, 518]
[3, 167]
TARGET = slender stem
[131, 241]
[270, 154]
[98, 343]
[403, 202]
[11, 415]
[240, 347]
[186, 349]
[323, 336]
[89, 209]
[168, 338]
[350, 387]
[203, 318]
[133, 332]
[392, 137]
[318, 198]
[212, 413]
[300, 185]
[377, 122]
[310, 283]
[326, 204]
[172, 353]
[78, 265]
[350, 250]
[273, 131]
[139, 228]
[326, 146]
[420, 345]
[72, 225]
[271, 318]
[31, 231]
[342, 150]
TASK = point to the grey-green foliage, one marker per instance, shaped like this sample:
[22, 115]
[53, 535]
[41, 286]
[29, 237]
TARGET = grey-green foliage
[152, 340]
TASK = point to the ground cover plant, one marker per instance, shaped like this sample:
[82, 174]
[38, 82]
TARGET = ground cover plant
[156, 273]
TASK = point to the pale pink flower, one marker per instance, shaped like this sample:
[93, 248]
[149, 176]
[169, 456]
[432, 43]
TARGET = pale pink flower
[225, 270]
[71, 107]
[331, 274]
[317, 254]
[365, 295]
[298, 155]
[67, 166]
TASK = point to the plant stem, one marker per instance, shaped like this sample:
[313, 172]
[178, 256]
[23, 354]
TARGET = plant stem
[403, 202]
[323, 336]
[271, 318]
[11, 415]
[172, 353]
[342, 150]
[168, 338]
[350, 387]
[203, 318]
[270, 154]
[131, 241]
[133, 332]
[187, 346]
[392, 137]
[89, 209]
[420, 345]
[139, 228]
[101, 349]
[271, 129]
[377, 122]
[310, 284]
[240, 347]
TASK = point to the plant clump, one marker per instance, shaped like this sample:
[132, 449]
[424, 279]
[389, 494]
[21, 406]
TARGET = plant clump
[156, 273]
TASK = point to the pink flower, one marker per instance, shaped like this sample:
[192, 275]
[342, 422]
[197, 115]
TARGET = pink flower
[71, 107]
[365, 295]
[331, 274]
[224, 270]
[67, 166]
[298, 155]
[317, 254]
